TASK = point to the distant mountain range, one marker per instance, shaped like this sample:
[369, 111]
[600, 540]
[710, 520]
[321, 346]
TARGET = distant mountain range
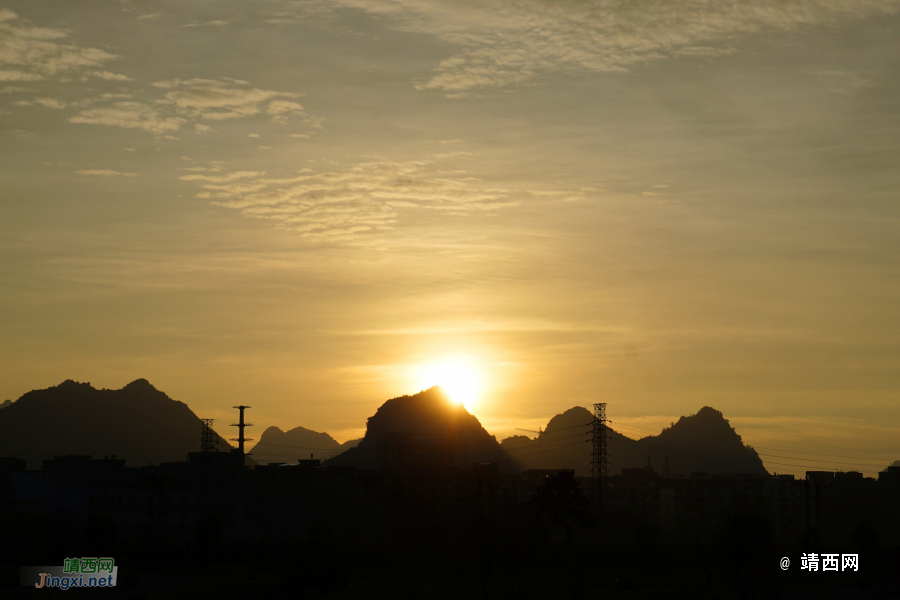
[144, 426]
[276, 445]
[701, 442]
[138, 423]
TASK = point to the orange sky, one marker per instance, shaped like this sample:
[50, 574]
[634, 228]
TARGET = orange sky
[299, 206]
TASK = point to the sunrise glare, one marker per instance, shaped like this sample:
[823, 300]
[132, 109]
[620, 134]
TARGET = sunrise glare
[459, 378]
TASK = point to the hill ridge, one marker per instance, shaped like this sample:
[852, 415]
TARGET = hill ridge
[137, 422]
[704, 441]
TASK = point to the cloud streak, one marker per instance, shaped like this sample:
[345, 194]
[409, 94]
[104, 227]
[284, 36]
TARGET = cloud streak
[509, 42]
[197, 100]
[340, 205]
[130, 115]
[105, 173]
[30, 53]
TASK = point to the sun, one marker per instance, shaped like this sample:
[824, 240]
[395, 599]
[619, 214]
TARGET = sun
[460, 380]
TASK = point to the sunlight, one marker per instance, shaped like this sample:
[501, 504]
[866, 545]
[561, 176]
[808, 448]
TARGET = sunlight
[458, 378]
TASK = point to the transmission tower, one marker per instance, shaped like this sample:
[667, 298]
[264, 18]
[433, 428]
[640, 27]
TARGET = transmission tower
[208, 438]
[240, 439]
[598, 455]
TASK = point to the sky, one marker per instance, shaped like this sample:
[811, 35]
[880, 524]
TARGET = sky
[309, 206]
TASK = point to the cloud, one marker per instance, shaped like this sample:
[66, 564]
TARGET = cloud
[109, 76]
[216, 100]
[282, 109]
[131, 115]
[6, 75]
[191, 100]
[705, 51]
[842, 82]
[221, 178]
[105, 173]
[50, 102]
[365, 198]
[10, 89]
[33, 53]
[509, 42]
[216, 23]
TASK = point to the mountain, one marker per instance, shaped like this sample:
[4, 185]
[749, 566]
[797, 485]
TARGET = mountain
[138, 423]
[6, 403]
[566, 444]
[276, 445]
[432, 415]
[701, 442]
[350, 444]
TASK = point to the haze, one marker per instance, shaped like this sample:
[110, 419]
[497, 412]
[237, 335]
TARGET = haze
[303, 206]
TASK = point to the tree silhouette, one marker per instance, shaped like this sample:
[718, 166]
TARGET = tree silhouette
[560, 498]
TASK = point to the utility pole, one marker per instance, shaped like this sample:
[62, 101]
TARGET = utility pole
[239, 507]
[240, 439]
[599, 469]
[208, 440]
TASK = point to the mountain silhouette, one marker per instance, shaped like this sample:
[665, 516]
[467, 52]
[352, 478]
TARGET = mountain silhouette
[276, 445]
[6, 403]
[565, 444]
[138, 423]
[701, 442]
[428, 413]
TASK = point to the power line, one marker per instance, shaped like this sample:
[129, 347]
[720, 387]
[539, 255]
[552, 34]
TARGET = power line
[638, 413]
[726, 444]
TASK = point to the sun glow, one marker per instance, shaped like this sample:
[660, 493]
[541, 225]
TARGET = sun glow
[460, 380]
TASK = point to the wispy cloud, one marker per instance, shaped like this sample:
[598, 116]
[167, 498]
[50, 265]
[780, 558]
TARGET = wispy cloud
[50, 103]
[192, 100]
[216, 23]
[29, 53]
[130, 115]
[342, 204]
[105, 173]
[108, 76]
[507, 42]
[842, 82]
[221, 178]
[216, 100]
[6, 75]
[282, 109]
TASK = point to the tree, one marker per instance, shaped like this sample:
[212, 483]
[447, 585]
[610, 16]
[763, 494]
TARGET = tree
[560, 498]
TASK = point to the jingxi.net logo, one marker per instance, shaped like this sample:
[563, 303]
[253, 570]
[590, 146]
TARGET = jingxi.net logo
[75, 572]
